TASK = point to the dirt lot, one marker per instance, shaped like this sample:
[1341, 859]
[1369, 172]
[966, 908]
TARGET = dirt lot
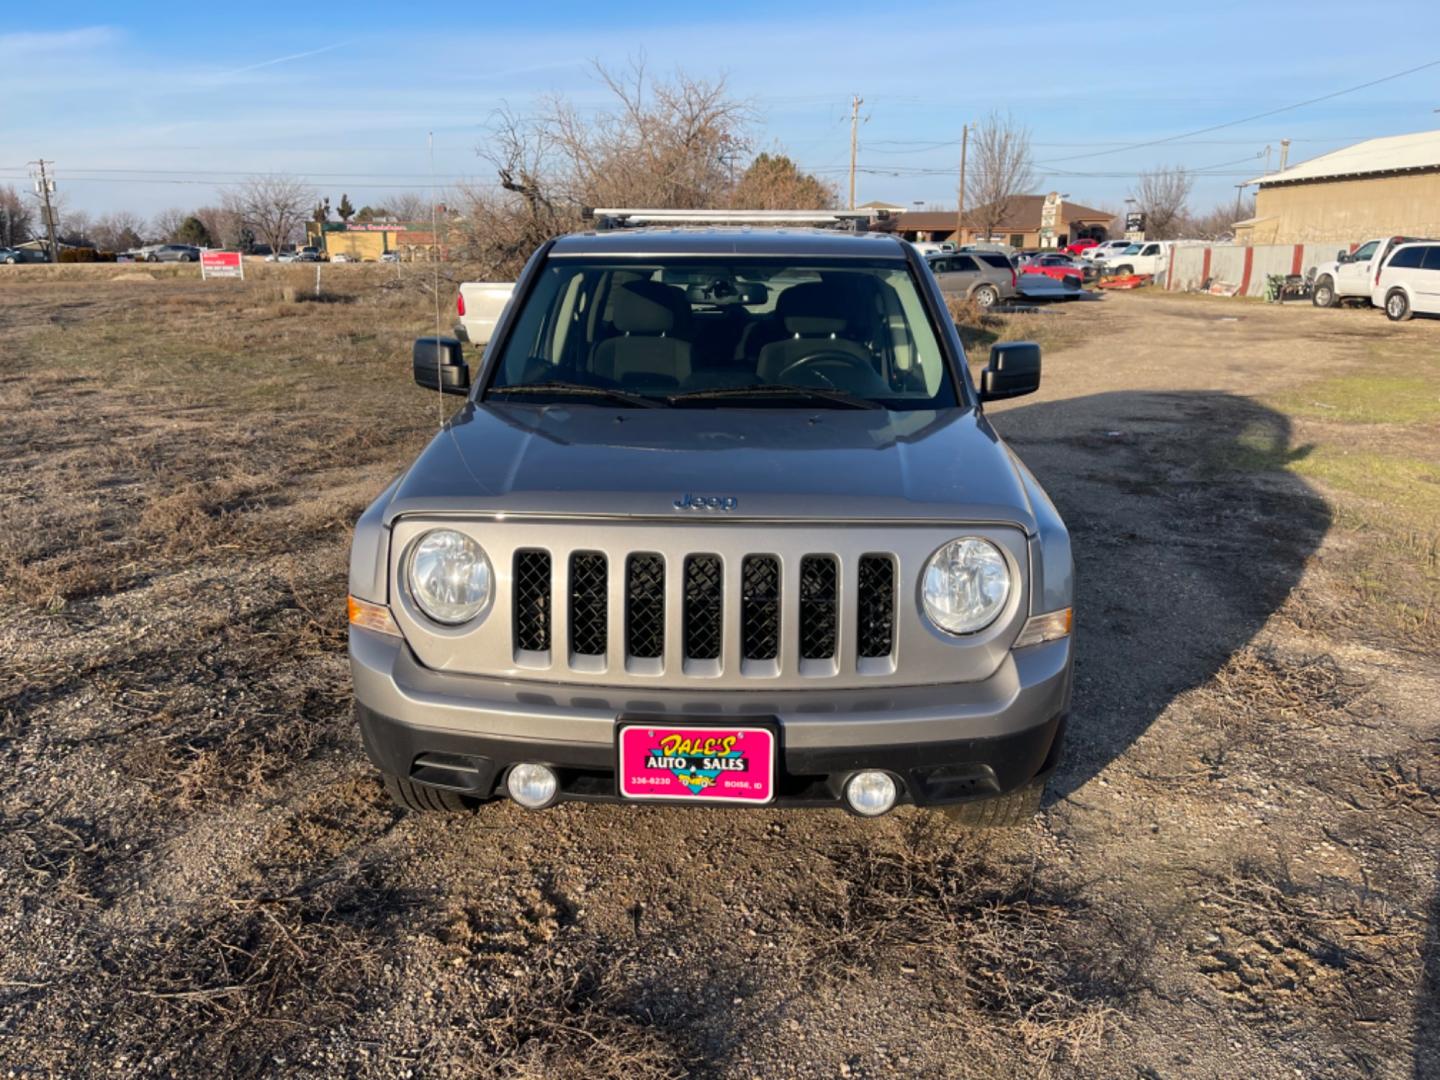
[1235, 872]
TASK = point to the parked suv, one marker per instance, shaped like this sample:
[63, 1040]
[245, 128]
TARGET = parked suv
[722, 520]
[1351, 276]
[1409, 282]
[987, 278]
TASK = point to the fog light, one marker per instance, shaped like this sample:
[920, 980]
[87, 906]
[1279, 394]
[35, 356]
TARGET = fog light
[532, 786]
[870, 793]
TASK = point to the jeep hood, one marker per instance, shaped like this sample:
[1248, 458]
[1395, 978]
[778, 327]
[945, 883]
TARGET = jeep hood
[774, 463]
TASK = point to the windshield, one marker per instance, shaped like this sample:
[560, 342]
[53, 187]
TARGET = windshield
[725, 333]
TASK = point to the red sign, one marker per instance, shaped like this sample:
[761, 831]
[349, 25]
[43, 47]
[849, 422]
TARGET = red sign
[221, 264]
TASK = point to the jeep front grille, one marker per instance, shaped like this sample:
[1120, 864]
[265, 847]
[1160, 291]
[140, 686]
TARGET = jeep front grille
[817, 607]
[760, 607]
[704, 607]
[589, 606]
[645, 607]
[876, 588]
[532, 600]
[763, 635]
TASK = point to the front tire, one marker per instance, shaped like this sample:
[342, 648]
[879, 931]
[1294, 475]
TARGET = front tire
[986, 295]
[423, 799]
[1002, 812]
[1397, 306]
[1124, 271]
[1324, 294]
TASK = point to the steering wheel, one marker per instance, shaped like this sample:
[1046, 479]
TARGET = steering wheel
[831, 358]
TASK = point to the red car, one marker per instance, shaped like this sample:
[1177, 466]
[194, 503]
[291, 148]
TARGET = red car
[1055, 265]
[1078, 246]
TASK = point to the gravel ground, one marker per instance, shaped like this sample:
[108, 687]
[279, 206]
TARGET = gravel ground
[1235, 871]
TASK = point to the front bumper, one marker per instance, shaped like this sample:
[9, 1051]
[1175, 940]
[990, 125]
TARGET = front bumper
[946, 743]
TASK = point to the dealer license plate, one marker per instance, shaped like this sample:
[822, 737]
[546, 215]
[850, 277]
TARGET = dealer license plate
[697, 764]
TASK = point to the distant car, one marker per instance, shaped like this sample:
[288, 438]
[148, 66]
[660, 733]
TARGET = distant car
[1105, 249]
[10, 256]
[1078, 247]
[933, 247]
[390, 256]
[261, 249]
[1409, 282]
[1058, 266]
[309, 254]
[973, 277]
[343, 257]
[284, 255]
[173, 253]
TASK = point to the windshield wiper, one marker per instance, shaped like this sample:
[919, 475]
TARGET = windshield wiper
[577, 390]
[770, 390]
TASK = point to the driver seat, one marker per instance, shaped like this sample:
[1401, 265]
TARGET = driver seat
[816, 317]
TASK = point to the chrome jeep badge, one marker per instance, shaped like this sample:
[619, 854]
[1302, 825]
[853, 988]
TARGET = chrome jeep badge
[706, 502]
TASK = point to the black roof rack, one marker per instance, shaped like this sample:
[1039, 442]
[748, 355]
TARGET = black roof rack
[626, 218]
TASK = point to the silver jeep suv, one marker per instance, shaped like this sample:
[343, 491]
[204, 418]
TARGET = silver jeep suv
[722, 520]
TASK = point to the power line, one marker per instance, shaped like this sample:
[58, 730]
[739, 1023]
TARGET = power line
[1250, 119]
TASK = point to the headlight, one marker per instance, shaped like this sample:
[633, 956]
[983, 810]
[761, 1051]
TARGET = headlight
[449, 576]
[966, 585]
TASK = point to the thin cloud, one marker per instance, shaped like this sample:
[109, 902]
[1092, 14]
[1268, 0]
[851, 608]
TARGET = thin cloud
[285, 59]
[29, 44]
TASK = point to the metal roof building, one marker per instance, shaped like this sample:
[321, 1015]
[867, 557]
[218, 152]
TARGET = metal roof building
[1375, 188]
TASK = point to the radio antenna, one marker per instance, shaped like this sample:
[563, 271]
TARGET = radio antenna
[435, 266]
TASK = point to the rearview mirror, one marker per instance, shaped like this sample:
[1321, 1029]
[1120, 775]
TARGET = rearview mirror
[439, 364]
[1013, 371]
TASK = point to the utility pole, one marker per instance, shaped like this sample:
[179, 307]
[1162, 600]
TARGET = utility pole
[1284, 154]
[44, 186]
[960, 199]
[1239, 190]
[855, 104]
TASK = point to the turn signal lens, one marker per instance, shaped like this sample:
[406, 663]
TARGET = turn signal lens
[370, 616]
[1051, 626]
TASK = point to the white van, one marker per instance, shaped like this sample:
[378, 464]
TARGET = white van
[1409, 282]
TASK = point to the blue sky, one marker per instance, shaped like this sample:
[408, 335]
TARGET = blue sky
[184, 96]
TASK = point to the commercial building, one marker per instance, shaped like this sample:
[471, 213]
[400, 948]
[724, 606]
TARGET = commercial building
[1379, 187]
[1027, 221]
[366, 241]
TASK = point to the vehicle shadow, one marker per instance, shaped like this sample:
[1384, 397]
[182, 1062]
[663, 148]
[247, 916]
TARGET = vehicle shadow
[1188, 534]
[1427, 1010]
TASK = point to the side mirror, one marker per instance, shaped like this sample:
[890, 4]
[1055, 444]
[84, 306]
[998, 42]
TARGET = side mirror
[1013, 371]
[1342, 256]
[440, 365]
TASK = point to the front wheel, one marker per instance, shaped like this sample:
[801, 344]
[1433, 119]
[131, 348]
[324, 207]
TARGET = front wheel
[1397, 306]
[1002, 812]
[10, 261]
[186, 258]
[1124, 271]
[986, 295]
[1324, 294]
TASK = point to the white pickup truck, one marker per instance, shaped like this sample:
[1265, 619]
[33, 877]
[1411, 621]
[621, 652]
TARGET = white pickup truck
[1352, 275]
[1141, 257]
[477, 309]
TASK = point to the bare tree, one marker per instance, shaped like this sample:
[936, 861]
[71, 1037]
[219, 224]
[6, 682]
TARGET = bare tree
[1162, 195]
[119, 230]
[774, 182]
[669, 143]
[1001, 171]
[223, 226]
[408, 206]
[165, 225]
[272, 207]
[1219, 223]
[17, 218]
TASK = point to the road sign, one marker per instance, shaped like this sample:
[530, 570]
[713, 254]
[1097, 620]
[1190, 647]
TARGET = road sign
[221, 264]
